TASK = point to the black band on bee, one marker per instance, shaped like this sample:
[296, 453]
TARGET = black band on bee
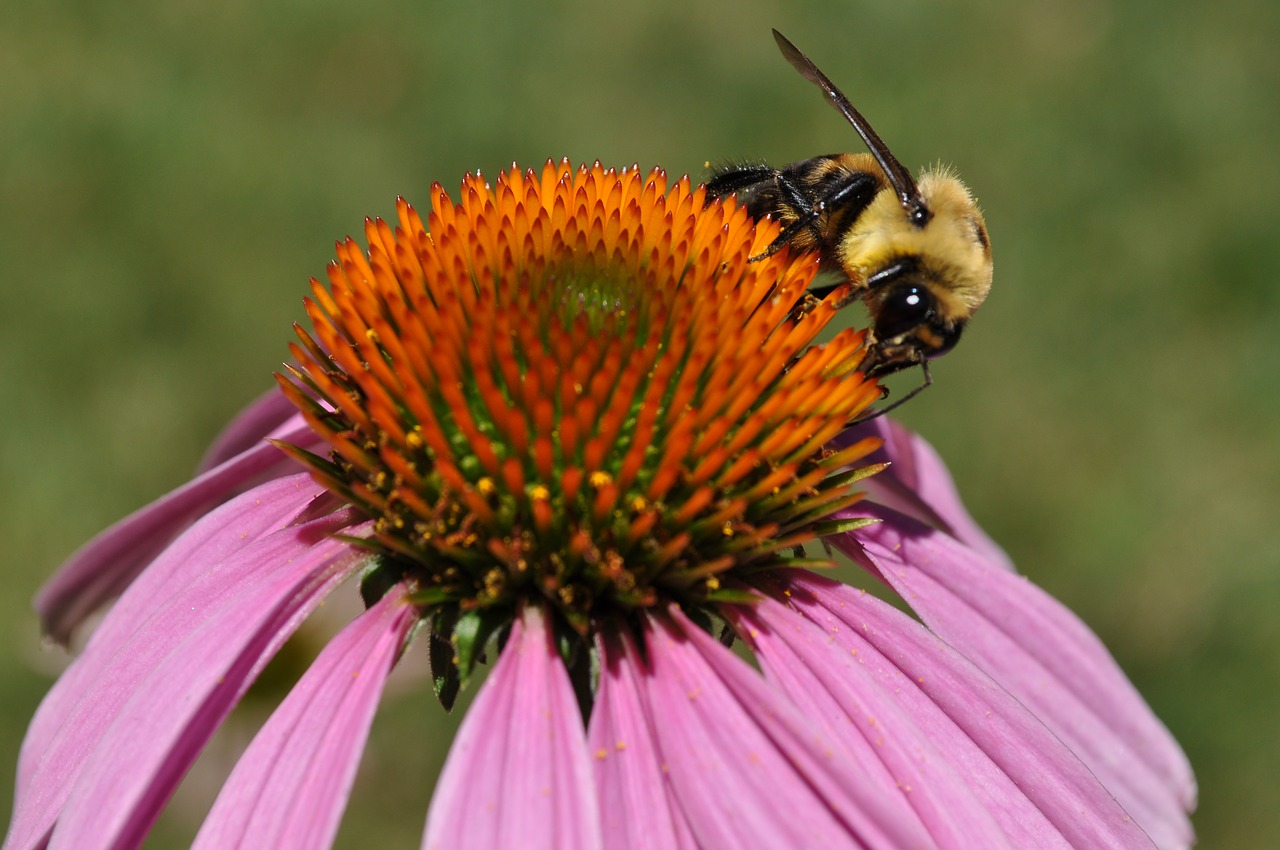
[734, 177]
[892, 272]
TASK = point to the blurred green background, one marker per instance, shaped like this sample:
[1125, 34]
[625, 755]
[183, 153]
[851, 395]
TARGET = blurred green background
[171, 174]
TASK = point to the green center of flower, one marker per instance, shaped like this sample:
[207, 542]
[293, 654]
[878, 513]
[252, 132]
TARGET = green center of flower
[607, 298]
[576, 389]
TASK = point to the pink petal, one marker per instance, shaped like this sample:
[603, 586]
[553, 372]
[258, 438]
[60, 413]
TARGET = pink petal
[290, 787]
[836, 689]
[1040, 652]
[168, 684]
[518, 775]
[748, 769]
[1031, 783]
[918, 484]
[266, 414]
[637, 810]
[104, 566]
[213, 539]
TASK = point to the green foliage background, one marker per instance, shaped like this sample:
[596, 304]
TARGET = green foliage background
[171, 174]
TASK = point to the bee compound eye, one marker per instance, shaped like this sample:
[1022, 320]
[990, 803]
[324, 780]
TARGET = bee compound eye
[904, 307]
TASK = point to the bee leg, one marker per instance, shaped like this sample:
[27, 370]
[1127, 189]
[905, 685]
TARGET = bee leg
[808, 220]
[881, 411]
[735, 179]
[807, 304]
[850, 197]
[807, 215]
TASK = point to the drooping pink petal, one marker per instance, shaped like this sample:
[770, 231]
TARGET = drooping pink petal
[152, 705]
[266, 414]
[835, 688]
[918, 484]
[932, 675]
[746, 768]
[213, 539]
[1040, 793]
[290, 787]
[1040, 652]
[104, 566]
[637, 811]
[518, 773]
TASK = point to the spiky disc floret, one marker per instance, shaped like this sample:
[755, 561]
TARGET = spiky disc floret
[574, 386]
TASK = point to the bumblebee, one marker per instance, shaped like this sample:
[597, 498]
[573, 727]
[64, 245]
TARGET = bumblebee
[915, 251]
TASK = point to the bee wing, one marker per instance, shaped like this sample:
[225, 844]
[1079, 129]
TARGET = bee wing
[901, 180]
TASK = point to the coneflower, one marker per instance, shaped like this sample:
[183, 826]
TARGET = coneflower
[566, 424]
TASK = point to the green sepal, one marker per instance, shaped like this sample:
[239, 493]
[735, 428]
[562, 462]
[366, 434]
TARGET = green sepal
[378, 578]
[310, 460]
[852, 476]
[803, 564]
[368, 544]
[842, 526]
[733, 596]
[470, 634]
[428, 597]
[441, 657]
[582, 664]
[701, 618]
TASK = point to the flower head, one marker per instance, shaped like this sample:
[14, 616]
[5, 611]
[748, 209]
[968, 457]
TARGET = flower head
[566, 415]
[600, 404]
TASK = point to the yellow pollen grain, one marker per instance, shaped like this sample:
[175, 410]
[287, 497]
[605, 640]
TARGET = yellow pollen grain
[600, 479]
[486, 486]
[601, 754]
[539, 492]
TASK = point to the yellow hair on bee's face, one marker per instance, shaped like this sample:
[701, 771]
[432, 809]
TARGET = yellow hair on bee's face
[952, 248]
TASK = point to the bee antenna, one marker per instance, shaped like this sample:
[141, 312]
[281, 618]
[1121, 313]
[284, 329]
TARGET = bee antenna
[881, 411]
[899, 178]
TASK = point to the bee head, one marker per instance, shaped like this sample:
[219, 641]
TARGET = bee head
[910, 323]
[924, 276]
